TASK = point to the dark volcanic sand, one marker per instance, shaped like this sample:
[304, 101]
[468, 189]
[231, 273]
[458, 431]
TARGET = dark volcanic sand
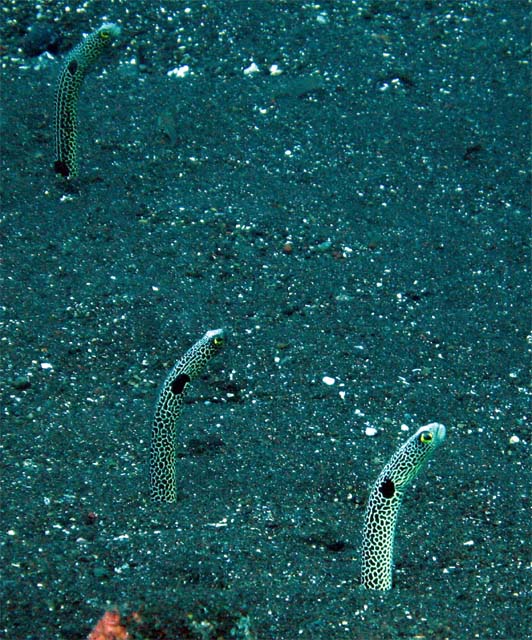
[364, 216]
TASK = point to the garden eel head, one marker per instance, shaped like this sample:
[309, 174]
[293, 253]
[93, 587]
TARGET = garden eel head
[411, 458]
[108, 31]
[217, 337]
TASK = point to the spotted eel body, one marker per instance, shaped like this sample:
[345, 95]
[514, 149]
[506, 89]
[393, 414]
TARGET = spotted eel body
[384, 502]
[168, 409]
[74, 70]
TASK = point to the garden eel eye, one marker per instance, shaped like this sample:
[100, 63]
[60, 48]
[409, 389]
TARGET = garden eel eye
[426, 437]
[218, 341]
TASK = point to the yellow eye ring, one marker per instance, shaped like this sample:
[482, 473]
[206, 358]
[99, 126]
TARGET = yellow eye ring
[104, 35]
[218, 341]
[426, 437]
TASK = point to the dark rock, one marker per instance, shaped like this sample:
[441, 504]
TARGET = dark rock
[40, 38]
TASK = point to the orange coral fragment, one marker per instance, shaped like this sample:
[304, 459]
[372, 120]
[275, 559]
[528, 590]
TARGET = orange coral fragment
[109, 627]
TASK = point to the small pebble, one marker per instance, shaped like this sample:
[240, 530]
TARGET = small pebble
[21, 383]
[252, 69]
[288, 247]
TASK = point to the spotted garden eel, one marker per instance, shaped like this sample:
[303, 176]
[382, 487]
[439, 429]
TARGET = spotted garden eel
[77, 63]
[384, 502]
[168, 409]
